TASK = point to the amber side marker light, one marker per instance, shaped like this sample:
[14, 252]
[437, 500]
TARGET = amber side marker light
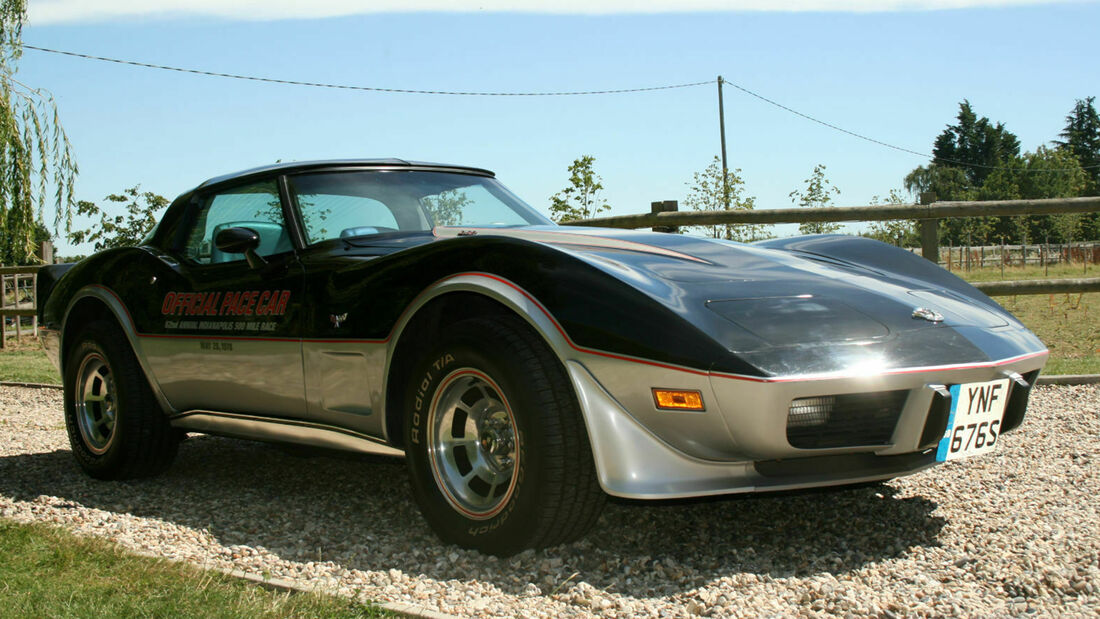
[675, 400]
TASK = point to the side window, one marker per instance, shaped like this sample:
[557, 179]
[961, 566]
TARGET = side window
[255, 207]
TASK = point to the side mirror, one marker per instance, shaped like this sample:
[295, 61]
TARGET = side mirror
[240, 241]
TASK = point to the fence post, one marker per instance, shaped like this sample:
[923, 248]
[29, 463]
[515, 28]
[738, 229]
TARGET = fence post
[929, 231]
[45, 252]
[18, 319]
[665, 206]
[3, 305]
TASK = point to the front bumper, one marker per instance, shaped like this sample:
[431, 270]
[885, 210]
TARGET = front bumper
[740, 443]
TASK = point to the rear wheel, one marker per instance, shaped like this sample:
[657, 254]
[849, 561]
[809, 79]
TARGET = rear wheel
[116, 428]
[496, 447]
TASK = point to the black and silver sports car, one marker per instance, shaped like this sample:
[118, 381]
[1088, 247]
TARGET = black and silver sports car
[525, 370]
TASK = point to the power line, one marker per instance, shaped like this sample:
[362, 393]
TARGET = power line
[881, 143]
[534, 94]
[410, 91]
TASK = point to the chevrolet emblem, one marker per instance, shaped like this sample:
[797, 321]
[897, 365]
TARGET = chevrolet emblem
[930, 315]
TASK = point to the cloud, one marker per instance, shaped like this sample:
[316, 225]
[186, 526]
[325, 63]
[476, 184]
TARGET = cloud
[68, 11]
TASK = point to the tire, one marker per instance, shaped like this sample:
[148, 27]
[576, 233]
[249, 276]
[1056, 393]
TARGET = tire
[116, 428]
[496, 447]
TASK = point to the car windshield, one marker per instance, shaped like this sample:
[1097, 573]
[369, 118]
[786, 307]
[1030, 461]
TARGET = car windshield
[358, 203]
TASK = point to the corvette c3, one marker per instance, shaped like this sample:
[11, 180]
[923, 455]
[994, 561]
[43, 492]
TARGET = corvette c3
[524, 370]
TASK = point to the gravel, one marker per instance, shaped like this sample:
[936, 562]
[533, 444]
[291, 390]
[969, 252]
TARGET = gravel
[1010, 533]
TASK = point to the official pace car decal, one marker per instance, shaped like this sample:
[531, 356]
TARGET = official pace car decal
[239, 304]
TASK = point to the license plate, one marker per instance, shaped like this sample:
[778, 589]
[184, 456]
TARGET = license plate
[974, 426]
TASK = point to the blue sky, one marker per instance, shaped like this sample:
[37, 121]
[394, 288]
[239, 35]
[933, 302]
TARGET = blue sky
[895, 75]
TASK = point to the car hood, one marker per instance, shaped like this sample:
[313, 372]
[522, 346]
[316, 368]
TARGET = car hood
[780, 296]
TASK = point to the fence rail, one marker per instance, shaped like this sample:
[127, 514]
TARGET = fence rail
[1039, 286]
[665, 218]
[892, 212]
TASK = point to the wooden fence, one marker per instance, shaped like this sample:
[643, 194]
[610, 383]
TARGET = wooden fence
[665, 218]
[1043, 255]
[17, 285]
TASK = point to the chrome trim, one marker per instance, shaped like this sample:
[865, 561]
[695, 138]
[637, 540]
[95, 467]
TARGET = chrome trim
[268, 429]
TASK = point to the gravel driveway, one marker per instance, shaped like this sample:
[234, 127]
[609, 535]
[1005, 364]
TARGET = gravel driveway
[1012, 533]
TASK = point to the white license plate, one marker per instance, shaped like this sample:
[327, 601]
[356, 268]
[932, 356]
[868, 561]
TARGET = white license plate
[974, 426]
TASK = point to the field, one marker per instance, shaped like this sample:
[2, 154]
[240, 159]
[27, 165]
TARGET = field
[1069, 324]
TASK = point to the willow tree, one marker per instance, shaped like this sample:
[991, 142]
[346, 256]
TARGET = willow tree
[36, 163]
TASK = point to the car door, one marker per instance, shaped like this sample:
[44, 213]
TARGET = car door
[230, 337]
[344, 350]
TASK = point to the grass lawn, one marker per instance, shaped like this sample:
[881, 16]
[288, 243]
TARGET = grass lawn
[47, 572]
[1069, 324]
[27, 364]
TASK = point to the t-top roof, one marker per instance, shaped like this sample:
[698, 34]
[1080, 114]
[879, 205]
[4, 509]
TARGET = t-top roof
[299, 166]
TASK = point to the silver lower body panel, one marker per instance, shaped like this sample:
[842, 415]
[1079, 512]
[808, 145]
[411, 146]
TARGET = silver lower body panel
[281, 431]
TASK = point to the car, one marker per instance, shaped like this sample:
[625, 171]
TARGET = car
[524, 370]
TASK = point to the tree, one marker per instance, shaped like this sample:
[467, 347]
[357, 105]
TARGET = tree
[708, 193]
[120, 230]
[34, 152]
[947, 182]
[818, 194]
[13, 250]
[1045, 173]
[1082, 138]
[446, 207]
[900, 232]
[963, 155]
[582, 198]
[975, 144]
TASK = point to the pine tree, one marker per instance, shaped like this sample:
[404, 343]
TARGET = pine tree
[1082, 138]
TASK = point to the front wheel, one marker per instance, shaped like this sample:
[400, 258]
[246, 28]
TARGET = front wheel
[496, 447]
[116, 428]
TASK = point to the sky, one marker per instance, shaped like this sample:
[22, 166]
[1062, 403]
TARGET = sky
[894, 71]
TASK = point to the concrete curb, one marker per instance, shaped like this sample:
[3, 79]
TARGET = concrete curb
[287, 586]
[278, 584]
[4, 383]
[1069, 379]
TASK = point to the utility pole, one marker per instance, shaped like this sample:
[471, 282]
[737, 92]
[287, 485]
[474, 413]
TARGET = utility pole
[722, 130]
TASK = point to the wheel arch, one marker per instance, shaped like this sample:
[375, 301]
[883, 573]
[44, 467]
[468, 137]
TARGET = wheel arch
[456, 298]
[98, 302]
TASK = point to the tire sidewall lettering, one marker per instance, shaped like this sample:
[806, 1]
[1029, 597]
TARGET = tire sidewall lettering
[497, 521]
[422, 392]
